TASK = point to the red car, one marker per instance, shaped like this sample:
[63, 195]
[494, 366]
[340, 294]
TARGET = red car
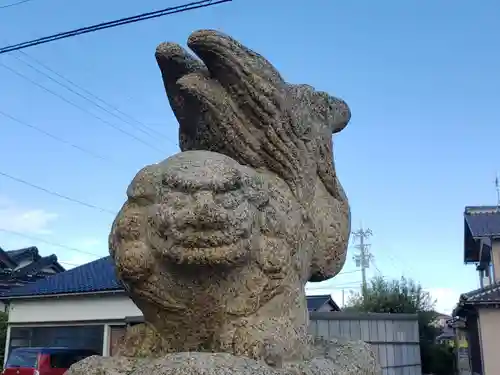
[43, 361]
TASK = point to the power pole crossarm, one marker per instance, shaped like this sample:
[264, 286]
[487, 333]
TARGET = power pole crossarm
[363, 257]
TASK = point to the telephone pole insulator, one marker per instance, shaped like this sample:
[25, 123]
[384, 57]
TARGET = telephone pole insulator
[363, 257]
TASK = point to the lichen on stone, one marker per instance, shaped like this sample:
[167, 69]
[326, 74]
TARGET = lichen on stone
[216, 243]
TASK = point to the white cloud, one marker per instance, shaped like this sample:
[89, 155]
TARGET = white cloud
[446, 299]
[14, 217]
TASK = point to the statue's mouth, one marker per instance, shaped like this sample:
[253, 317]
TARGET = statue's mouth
[206, 250]
[199, 239]
[207, 244]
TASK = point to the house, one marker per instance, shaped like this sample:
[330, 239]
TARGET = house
[321, 303]
[442, 321]
[479, 309]
[447, 334]
[85, 306]
[23, 266]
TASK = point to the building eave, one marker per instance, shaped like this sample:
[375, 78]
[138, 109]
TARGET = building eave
[62, 295]
[35, 266]
[7, 260]
[30, 253]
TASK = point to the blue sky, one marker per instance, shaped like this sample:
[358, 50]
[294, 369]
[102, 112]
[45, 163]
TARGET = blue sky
[421, 78]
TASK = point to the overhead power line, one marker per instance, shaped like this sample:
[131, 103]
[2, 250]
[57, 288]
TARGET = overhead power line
[37, 239]
[68, 263]
[106, 103]
[62, 196]
[104, 121]
[119, 22]
[14, 4]
[56, 138]
[136, 124]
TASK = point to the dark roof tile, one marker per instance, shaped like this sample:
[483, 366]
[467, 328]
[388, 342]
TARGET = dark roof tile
[315, 302]
[96, 276]
[99, 276]
[21, 253]
[483, 224]
[489, 294]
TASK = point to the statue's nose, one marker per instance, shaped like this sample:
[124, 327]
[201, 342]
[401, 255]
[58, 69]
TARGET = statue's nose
[204, 200]
[209, 214]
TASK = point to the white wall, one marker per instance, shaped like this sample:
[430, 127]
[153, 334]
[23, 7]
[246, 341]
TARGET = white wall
[325, 308]
[72, 308]
[490, 339]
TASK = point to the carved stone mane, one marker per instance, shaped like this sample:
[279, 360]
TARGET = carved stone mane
[215, 244]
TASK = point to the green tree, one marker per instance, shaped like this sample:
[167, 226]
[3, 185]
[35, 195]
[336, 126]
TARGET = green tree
[405, 296]
[3, 334]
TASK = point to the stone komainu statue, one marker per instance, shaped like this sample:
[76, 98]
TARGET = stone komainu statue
[215, 244]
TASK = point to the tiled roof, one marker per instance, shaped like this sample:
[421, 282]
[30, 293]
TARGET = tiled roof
[96, 276]
[489, 294]
[483, 223]
[21, 253]
[315, 302]
[99, 276]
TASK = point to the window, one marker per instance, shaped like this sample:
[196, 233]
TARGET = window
[77, 337]
[65, 360]
[22, 358]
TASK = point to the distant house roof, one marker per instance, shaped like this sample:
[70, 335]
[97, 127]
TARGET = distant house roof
[479, 222]
[488, 295]
[316, 302]
[446, 335]
[443, 316]
[99, 276]
[93, 277]
[13, 258]
[482, 297]
[24, 266]
[23, 253]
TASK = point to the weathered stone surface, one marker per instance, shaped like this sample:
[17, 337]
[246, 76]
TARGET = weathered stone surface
[335, 358]
[141, 340]
[218, 257]
[216, 243]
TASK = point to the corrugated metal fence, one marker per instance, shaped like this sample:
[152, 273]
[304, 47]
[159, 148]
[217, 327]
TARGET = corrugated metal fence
[394, 337]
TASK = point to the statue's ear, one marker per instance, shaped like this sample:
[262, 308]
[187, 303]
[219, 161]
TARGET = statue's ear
[337, 113]
[332, 221]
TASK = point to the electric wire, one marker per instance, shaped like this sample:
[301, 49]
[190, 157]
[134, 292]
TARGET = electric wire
[119, 22]
[62, 196]
[139, 126]
[38, 239]
[57, 138]
[117, 128]
[68, 263]
[14, 4]
[89, 93]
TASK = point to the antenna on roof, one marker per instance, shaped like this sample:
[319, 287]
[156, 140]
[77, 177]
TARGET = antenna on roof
[497, 187]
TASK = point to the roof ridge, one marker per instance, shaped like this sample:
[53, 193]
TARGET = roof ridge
[481, 291]
[96, 276]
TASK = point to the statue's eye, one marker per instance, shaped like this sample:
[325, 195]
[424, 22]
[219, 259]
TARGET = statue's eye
[177, 200]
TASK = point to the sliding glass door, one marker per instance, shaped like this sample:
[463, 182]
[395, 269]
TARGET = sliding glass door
[84, 337]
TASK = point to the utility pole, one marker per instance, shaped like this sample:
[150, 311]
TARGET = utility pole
[363, 257]
[497, 187]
